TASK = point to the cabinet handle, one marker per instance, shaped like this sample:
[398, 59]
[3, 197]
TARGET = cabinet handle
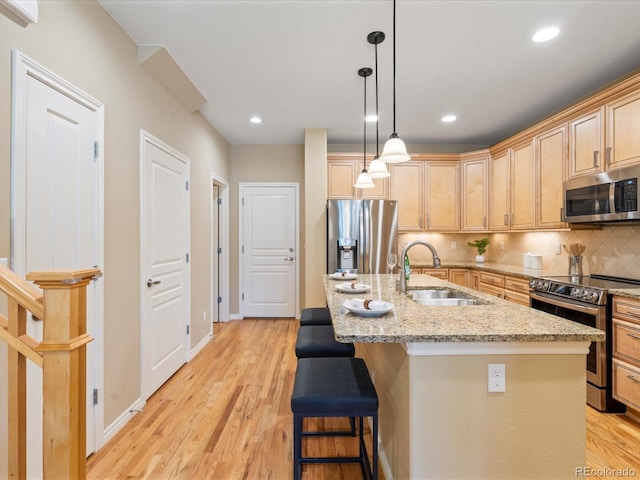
[561, 209]
[506, 219]
[420, 223]
[633, 335]
[428, 221]
[630, 313]
[484, 222]
[513, 217]
[596, 153]
[631, 377]
[607, 156]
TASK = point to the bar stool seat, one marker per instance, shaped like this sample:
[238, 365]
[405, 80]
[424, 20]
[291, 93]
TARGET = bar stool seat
[334, 387]
[315, 316]
[320, 341]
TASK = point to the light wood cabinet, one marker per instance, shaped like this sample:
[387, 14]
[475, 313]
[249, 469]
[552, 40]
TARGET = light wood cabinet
[406, 187]
[441, 273]
[512, 181]
[586, 142]
[459, 276]
[491, 283]
[475, 194]
[342, 174]
[623, 131]
[551, 165]
[499, 192]
[626, 350]
[516, 290]
[443, 196]
[474, 279]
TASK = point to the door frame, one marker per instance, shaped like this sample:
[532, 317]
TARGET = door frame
[241, 257]
[23, 67]
[223, 233]
[147, 138]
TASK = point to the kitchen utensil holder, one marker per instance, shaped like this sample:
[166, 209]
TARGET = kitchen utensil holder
[575, 265]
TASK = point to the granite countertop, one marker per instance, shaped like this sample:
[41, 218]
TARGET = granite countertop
[527, 273]
[496, 320]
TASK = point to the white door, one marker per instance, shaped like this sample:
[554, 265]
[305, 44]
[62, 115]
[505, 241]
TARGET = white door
[216, 254]
[269, 250]
[58, 212]
[165, 255]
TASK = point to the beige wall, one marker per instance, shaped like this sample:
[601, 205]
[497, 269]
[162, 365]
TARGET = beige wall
[81, 43]
[260, 163]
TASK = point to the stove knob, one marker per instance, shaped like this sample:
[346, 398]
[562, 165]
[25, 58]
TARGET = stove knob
[545, 285]
[576, 292]
[593, 296]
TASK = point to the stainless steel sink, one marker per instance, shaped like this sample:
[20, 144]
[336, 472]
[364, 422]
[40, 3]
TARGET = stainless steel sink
[443, 297]
[447, 301]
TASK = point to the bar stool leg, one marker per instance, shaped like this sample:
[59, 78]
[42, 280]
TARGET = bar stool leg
[297, 446]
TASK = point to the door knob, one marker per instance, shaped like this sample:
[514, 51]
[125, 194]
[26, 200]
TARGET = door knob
[152, 282]
[290, 259]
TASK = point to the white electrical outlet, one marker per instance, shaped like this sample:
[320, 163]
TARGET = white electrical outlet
[204, 315]
[454, 245]
[497, 378]
[502, 246]
[3, 262]
[558, 248]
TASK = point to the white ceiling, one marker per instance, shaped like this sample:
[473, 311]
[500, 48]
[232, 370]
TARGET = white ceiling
[294, 63]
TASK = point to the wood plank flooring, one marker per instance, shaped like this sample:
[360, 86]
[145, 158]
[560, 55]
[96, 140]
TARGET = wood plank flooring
[226, 415]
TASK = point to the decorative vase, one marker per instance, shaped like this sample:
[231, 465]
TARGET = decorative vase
[479, 258]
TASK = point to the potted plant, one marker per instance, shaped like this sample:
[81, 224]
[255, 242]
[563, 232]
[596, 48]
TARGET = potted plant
[481, 247]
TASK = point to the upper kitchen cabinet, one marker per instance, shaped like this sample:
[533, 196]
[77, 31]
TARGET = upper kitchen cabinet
[475, 184]
[623, 131]
[499, 191]
[443, 196]
[586, 142]
[342, 174]
[406, 186]
[512, 189]
[343, 171]
[551, 161]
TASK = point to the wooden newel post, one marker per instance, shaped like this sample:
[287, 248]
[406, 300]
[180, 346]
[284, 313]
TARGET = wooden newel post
[64, 371]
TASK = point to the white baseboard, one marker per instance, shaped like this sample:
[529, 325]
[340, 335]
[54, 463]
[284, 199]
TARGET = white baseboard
[195, 350]
[235, 316]
[122, 420]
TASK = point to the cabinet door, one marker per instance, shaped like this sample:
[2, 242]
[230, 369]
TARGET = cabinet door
[380, 189]
[474, 279]
[499, 191]
[551, 156]
[522, 188]
[443, 196]
[406, 183]
[459, 276]
[585, 144]
[441, 273]
[341, 177]
[475, 180]
[623, 131]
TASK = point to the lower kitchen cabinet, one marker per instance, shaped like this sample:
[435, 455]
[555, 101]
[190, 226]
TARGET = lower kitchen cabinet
[516, 290]
[441, 273]
[626, 351]
[459, 276]
[474, 279]
[492, 283]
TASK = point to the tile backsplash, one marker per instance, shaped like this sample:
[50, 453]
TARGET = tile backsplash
[610, 250]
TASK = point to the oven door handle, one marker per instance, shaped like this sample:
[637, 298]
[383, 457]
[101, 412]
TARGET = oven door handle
[558, 303]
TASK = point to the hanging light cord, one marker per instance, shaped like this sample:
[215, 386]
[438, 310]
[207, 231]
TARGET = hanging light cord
[364, 150]
[394, 66]
[377, 119]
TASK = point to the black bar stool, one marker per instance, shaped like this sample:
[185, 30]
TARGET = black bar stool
[315, 316]
[334, 387]
[320, 341]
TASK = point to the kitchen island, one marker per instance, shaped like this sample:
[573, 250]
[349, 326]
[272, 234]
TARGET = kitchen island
[430, 368]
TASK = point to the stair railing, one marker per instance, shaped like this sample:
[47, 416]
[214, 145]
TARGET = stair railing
[61, 354]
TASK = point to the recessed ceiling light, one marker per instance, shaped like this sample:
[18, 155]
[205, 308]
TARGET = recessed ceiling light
[370, 118]
[449, 118]
[255, 120]
[545, 34]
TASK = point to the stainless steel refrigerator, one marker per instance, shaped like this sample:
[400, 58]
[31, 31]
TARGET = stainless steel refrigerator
[360, 234]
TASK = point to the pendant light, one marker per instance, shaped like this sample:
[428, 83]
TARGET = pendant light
[377, 168]
[394, 150]
[364, 180]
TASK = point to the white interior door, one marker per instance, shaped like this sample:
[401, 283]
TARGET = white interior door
[269, 250]
[165, 213]
[58, 211]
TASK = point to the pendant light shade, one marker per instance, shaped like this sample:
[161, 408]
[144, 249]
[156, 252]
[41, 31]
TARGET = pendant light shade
[364, 180]
[377, 168]
[394, 150]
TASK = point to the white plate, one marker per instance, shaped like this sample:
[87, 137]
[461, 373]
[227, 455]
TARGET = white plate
[357, 288]
[346, 276]
[368, 313]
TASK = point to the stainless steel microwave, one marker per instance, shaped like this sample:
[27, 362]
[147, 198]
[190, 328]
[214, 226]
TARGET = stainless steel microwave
[610, 196]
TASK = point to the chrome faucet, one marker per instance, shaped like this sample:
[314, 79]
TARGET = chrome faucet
[436, 261]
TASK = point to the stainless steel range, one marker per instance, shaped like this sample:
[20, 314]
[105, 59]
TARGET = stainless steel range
[585, 300]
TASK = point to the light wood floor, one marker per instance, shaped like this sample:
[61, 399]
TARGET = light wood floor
[226, 415]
